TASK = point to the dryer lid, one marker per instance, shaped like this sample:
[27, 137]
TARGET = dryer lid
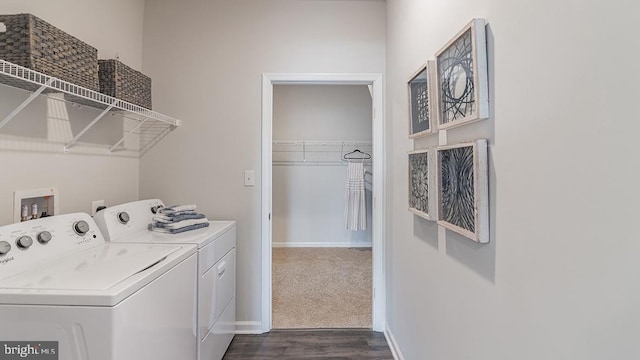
[98, 268]
[199, 237]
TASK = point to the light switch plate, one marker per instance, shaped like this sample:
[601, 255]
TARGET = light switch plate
[249, 178]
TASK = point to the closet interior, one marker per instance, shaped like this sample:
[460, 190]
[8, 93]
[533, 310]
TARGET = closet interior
[322, 272]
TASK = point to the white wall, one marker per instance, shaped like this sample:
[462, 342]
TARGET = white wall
[112, 27]
[206, 59]
[322, 112]
[308, 200]
[559, 278]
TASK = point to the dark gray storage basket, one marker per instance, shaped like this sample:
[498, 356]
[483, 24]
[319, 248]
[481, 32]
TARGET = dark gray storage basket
[122, 82]
[35, 44]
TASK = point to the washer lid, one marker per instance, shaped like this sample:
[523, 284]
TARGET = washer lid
[98, 268]
[103, 275]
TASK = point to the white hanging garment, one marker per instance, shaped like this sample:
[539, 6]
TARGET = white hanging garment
[355, 210]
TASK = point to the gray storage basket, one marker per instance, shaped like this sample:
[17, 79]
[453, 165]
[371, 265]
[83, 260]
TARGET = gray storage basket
[35, 44]
[122, 82]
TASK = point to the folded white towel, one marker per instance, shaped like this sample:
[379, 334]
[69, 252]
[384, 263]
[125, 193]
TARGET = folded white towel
[175, 218]
[180, 230]
[181, 224]
[177, 208]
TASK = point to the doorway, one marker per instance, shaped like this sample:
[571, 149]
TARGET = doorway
[321, 272]
[374, 81]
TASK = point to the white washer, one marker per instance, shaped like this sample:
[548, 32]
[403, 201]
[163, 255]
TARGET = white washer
[216, 276]
[61, 281]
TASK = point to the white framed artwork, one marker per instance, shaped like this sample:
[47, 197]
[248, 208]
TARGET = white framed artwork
[421, 184]
[421, 105]
[463, 189]
[462, 79]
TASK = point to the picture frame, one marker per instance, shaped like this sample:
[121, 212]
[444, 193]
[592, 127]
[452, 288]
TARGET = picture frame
[462, 189]
[421, 103]
[462, 77]
[421, 184]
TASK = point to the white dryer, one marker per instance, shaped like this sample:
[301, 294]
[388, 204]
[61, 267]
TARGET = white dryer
[216, 278]
[61, 282]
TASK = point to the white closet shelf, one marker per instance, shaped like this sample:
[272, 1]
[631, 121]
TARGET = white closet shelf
[318, 146]
[150, 126]
[322, 142]
[316, 153]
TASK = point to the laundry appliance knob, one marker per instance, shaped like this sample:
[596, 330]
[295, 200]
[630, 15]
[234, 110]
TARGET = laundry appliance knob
[5, 247]
[81, 227]
[123, 217]
[24, 242]
[44, 237]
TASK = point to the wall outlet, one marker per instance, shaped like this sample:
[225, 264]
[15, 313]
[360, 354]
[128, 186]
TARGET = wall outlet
[94, 206]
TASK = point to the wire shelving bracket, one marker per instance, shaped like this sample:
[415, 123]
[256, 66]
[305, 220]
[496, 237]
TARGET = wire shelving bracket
[151, 126]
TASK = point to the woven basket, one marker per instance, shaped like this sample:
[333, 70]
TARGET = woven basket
[122, 82]
[35, 44]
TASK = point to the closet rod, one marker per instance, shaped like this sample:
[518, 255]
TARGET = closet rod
[321, 143]
[312, 163]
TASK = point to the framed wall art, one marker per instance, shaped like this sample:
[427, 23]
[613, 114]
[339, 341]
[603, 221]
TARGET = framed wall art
[421, 104]
[421, 184]
[463, 190]
[462, 81]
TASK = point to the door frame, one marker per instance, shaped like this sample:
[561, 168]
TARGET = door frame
[375, 83]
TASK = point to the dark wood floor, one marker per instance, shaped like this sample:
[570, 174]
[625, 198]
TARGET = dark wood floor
[310, 344]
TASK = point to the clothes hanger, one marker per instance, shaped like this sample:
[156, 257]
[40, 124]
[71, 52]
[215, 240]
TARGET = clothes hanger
[363, 156]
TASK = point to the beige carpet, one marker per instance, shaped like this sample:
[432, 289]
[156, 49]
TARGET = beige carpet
[321, 288]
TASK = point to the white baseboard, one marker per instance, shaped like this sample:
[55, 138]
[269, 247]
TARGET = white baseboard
[393, 345]
[322, 244]
[248, 327]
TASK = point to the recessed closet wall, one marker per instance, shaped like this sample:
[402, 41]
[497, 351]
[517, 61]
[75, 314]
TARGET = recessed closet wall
[206, 59]
[309, 179]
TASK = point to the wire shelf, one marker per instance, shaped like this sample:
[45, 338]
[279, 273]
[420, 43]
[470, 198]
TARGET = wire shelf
[320, 153]
[148, 127]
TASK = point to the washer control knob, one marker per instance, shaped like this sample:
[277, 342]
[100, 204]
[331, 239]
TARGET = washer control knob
[44, 237]
[123, 217]
[5, 247]
[24, 242]
[81, 227]
[155, 209]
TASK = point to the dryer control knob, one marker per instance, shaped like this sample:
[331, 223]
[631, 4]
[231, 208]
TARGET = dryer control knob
[24, 242]
[123, 217]
[81, 227]
[44, 237]
[5, 247]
